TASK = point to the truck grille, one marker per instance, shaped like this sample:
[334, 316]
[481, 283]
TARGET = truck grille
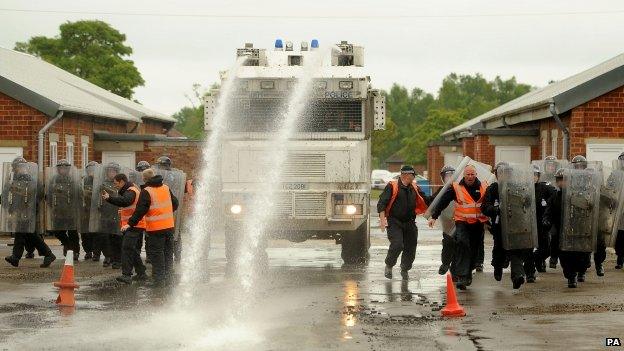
[308, 205]
[304, 166]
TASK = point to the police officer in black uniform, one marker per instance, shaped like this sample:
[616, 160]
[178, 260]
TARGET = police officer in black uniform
[61, 196]
[543, 192]
[448, 241]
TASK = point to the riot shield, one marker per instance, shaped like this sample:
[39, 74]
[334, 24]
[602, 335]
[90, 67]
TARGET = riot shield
[85, 199]
[484, 174]
[618, 164]
[580, 203]
[516, 190]
[19, 198]
[135, 177]
[175, 179]
[447, 220]
[104, 217]
[610, 210]
[63, 198]
[549, 168]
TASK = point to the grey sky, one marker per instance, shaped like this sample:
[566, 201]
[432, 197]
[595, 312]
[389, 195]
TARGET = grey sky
[413, 43]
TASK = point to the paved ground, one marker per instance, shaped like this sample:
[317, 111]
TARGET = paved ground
[307, 300]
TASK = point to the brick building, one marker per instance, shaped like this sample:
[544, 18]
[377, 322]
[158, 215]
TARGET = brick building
[41, 104]
[580, 115]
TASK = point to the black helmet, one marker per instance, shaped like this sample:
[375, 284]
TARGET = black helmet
[550, 158]
[621, 157]
[17, 161]
[113, 165]
[63, 163]
[579, 162]
[91, 164]
[164, 162]
[559, 173]
[142, 165]
[407, 169]
[446, 170]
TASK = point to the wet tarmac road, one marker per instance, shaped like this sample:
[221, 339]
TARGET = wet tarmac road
[308, 301]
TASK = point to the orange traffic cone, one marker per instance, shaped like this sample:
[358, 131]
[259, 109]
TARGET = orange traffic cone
[67, 283]
[452, 308]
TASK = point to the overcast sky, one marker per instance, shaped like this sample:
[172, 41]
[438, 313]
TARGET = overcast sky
[413, 43]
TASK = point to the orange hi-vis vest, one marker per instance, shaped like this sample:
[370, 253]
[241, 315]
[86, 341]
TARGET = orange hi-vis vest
[421, 206]
[466, 209]
[160, 214]
[126, 212]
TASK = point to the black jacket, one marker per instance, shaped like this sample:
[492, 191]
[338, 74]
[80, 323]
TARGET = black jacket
[145, 201]
[449, 196]
[490, 207]
[552, 215]
[543, 192]
[125, 198]
[405, 203]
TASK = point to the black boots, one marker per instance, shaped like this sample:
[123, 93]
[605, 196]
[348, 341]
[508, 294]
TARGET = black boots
[47, 260]
[599, 270]
[498, 273]
[571, 282]
[12, 260]
[517, 283]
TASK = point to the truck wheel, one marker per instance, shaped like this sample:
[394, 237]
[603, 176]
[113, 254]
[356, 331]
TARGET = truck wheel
[355, 245]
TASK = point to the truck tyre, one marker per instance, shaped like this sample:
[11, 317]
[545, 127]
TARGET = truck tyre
[355, 245]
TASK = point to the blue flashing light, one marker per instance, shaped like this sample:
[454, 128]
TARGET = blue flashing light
[279, 44]
[314, 44]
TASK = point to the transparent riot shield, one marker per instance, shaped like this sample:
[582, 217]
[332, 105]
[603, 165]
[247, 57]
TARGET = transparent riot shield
[484, 174]
[610, 209]
[104, 217]
[447, 221]
[19, 198]
[580, 203]
[617, 164]
[86, 182]
[517, 207]
[175, 179]
[135, 177]
[63, 198]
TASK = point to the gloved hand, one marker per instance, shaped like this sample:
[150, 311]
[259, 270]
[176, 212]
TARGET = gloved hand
[546, 223]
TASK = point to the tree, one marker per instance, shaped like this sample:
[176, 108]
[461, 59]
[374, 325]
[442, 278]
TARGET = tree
[92, 50]
[191, 118]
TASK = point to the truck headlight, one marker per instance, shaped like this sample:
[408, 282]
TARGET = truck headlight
[236, 209]
[348, 210]
[345, 85]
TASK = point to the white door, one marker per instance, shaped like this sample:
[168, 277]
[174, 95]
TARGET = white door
[124, 158]
[513, 154]
[604, 152]
[8, 154]
[452, 158]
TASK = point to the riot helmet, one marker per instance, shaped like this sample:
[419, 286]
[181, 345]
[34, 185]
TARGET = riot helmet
[142, 165]
[163, 162]
[579, 162]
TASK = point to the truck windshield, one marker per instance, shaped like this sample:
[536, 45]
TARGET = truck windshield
[321, 115]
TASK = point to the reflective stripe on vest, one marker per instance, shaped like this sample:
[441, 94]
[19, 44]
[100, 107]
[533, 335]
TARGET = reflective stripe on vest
[466, 209]
[126, 212]
[421, 206]
[160, 214]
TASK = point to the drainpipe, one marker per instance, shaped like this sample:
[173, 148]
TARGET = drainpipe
[41, 140]
[564, 129]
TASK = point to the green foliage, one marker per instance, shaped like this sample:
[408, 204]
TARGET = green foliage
[92, 50]
[190, 119]
[419, 117]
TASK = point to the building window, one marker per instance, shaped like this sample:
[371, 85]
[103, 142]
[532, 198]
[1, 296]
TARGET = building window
[70, 152]
[554, 143]
[53, 153]
[85, 155]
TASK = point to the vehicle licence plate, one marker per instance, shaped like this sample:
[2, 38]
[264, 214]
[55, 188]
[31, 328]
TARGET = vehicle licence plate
[294, 186]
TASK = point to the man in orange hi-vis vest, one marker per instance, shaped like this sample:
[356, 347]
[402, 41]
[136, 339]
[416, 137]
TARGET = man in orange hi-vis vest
[398, 206]
[155, 206]
[130, 250]
[468, 195]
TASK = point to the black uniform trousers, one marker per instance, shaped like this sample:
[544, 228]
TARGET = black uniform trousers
[69, 239]
[448, 250]
[159, 249]
[554, 244]
[131, 252]
[543, 245]
[35, 239]
[600, 255]
[574, 263]
[115, 248]
[522, 263]
[619, 244]
[101, 244]
[481, 252]
[88, 241]
[467, 240]
[403, 238]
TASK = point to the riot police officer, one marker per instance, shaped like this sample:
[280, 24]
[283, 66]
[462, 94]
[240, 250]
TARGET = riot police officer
[62, 202]
[20, 196]
[88, 238]
[448, 226]
[143, 165]
[105, 216]
[176, 180]
[163, 162]
[543, 192]
[619, 241]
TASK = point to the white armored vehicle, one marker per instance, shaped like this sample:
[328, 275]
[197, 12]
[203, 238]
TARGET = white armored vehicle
[325, 185]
